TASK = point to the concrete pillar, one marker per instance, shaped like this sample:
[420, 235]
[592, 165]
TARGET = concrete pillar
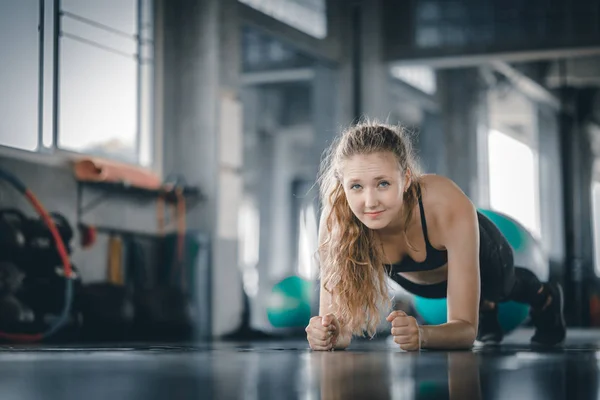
[340, 14]
[463, 105]
[328, 119]
[199, 45]
[577, 172]
[552, 206]
[432, 154]
[361, 67]
[374, 76]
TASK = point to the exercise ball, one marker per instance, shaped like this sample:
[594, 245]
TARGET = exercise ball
[289, 303]
[528, 253]
[434, 312]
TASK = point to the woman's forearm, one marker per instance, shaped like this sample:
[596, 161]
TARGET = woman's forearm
[451, 335]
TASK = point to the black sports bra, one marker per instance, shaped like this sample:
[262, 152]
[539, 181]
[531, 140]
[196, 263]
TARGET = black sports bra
[434, 258]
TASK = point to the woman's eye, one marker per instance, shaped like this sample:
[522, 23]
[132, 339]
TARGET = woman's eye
[384, 184]
[356, 186]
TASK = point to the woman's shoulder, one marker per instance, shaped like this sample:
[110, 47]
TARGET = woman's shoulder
[436, 187]
[442, 197]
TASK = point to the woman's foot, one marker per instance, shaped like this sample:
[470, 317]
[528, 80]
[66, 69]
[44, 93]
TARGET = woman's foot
[549, 321]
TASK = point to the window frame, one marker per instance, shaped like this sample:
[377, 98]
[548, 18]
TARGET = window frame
[49, 36]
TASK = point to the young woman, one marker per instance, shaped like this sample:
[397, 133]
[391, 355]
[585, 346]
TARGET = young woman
[381, 218]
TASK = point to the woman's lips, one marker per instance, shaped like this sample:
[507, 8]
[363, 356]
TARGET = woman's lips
[373, 214]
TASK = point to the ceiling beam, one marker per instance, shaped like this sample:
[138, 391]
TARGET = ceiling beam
[277, 76]
[526, 85]
[437, 59]
[327, 49]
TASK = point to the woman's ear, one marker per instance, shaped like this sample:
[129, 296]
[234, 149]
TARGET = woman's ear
[407, 180]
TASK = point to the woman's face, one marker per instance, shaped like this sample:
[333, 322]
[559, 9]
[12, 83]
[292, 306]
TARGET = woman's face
[374, 187]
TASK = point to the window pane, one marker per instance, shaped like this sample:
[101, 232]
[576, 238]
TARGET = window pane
[85, 31]
[118, 14]
[97, 101]
[513, 180]
[19, 73]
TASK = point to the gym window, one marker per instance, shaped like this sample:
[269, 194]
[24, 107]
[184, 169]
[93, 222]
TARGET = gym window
[82, 83]
[308, 16]
[513, 174]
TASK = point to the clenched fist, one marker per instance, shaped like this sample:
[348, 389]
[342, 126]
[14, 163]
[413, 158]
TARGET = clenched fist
[322, 332]
[405, 331]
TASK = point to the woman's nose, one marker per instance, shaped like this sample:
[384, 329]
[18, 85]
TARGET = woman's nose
[371, 200]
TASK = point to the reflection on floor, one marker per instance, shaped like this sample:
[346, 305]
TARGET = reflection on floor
[288, 370]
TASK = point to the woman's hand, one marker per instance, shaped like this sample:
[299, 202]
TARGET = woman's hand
[323, 332]
[405, 331]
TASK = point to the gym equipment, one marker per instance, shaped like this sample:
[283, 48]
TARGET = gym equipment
[29, 258]
[12, 309]
[49, 243]
[528, 254]
[108, 313]
[434, 312]
[289, 304]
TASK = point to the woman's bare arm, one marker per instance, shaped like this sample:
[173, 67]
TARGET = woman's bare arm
[460, 235]
[345, 335]
[325, 298]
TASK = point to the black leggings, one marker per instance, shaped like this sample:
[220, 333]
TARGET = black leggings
[501, 280]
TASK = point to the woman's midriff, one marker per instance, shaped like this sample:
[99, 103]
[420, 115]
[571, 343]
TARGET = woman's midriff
[427, 277]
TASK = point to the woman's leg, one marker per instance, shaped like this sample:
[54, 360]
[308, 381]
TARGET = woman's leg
[496, 280]
[490, 331]
[528, 289]
[502, 281]
[497, 272]
[546, 301]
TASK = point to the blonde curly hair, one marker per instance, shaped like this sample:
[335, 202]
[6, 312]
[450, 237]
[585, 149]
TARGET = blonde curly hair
[351, 260]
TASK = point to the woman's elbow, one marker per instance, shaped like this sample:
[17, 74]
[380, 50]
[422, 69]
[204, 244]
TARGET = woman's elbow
[468, 343]
[468, 335]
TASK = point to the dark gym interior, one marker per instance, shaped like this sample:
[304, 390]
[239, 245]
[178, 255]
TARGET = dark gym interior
[158, 208]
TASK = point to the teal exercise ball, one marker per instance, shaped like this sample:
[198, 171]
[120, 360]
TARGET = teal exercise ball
[289, 303]
[528, 253]
[434, 312]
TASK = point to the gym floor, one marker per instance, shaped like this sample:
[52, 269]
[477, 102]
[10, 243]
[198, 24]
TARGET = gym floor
[288, 370]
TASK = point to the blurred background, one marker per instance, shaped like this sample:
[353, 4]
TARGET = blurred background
[177, 144]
